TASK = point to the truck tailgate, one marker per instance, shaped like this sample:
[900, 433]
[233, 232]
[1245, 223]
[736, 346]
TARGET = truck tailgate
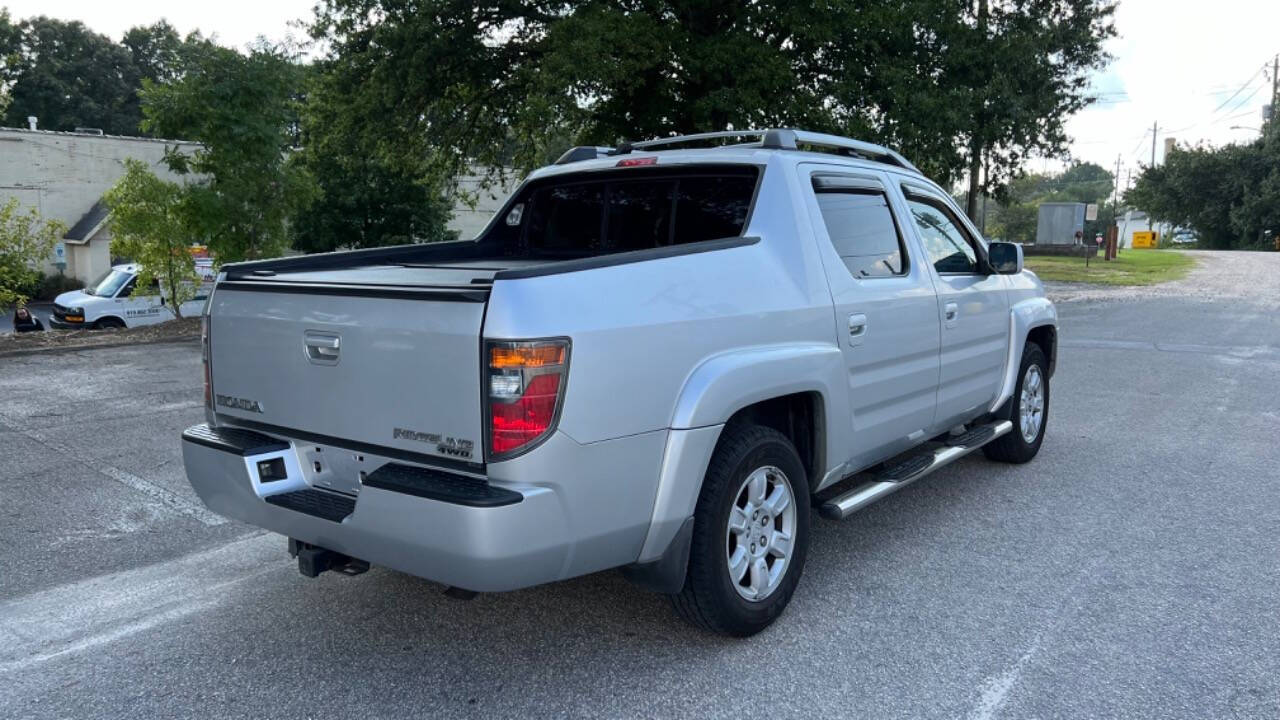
[354, 365]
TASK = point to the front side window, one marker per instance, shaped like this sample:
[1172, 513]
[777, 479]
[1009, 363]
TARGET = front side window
[949, 246]
[863, 232]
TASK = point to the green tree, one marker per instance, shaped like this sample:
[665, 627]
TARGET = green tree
[243, 110]
[506, 83]
[160, 54]
[364, 200]
[1021, 69]
[66, 75]
[1230, 196]
[150, 223]
[25, 242]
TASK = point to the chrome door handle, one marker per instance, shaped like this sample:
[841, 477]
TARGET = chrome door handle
[857, 328]
[950, 311]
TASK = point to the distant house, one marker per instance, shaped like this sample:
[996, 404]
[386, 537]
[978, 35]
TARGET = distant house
[63, 175]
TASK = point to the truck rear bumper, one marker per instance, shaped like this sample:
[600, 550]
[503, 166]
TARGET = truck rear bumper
[538, 538]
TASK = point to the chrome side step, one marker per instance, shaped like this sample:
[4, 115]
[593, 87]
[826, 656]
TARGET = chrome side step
[851, 501]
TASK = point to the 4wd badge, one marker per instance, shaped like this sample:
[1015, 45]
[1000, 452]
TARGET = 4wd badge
[444, 445]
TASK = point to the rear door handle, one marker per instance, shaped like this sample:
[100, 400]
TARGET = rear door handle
[950, 312]
[857, 328]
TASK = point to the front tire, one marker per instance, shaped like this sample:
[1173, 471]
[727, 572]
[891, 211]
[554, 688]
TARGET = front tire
[750, 534]
[109, 323]
[1028, 410]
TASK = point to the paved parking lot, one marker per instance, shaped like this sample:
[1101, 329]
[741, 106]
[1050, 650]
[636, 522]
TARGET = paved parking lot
[1132, 570]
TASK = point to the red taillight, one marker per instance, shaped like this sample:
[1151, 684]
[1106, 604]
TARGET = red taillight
[638, 161]
[526, 384]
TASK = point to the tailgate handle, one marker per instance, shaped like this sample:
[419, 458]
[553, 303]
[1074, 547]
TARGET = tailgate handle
[322, 348]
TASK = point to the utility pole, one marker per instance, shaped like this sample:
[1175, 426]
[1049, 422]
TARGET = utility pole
[1275, 94]
[1155, 127]
[1115, 199]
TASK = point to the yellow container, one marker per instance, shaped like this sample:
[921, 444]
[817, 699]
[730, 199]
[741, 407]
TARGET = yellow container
[1146, 239]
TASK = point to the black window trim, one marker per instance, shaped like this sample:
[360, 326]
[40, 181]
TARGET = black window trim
[914, 192]
[860, 185]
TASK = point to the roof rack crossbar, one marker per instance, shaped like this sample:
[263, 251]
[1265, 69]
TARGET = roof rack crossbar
[782, 139]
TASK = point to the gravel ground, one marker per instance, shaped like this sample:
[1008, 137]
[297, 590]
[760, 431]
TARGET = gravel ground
[1129, 571]
[1244, 277]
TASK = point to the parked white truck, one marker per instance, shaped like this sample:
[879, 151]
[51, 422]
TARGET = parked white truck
[115, 301]
[656, 357]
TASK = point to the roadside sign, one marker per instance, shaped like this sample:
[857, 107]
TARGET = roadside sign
[60, 252]
[1091, 212]
[1146, 239]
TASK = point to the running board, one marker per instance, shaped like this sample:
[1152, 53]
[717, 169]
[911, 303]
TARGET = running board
[917, 466]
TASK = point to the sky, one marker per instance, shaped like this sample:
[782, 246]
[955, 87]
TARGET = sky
[1194, 68]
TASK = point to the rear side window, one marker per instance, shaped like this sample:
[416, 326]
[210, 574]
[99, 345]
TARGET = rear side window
[607, 212]
[863, 232]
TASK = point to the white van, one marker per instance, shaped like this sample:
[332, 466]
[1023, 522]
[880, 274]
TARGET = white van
[113, 301]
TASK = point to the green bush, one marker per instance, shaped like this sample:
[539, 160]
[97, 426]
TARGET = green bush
[51, 286]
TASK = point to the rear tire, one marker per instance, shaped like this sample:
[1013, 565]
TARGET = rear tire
[755, 480]
[1028, 410]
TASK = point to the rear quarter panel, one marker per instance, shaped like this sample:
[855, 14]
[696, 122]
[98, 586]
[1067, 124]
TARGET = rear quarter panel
[640, 330]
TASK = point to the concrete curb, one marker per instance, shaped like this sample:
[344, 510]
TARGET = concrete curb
[57, 349]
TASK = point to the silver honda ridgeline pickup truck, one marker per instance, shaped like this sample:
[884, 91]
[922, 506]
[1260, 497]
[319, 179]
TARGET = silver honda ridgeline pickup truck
[657, 357]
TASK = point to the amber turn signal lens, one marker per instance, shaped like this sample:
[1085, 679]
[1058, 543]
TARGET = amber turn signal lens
[526, 355]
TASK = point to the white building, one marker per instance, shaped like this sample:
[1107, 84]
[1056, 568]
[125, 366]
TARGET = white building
[469, 221]
[63, 175]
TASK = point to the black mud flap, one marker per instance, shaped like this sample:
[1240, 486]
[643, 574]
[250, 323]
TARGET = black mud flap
[666, 573]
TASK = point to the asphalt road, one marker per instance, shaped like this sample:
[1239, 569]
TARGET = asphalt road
[1129, 571]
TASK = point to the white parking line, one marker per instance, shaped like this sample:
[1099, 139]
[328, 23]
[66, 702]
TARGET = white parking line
[81, 615]
[162, 496]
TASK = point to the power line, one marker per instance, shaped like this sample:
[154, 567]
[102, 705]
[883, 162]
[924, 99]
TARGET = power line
[1241, 89]
[1247, 99]
[1139, 145]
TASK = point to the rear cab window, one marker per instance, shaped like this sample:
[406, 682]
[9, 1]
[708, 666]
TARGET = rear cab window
[612, 211]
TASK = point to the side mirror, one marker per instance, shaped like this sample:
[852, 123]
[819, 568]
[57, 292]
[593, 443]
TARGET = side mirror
[1005, 257]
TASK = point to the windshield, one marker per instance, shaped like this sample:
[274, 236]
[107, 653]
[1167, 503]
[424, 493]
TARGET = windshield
[107, 285]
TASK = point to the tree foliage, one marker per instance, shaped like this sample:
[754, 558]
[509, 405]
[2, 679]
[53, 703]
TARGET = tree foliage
[506, 83]
[161, 55]
[25, 242]
[363, 199]
[67, 75]
[1230, 196]
[243, 110]
[151, 225]
[1020, 69]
